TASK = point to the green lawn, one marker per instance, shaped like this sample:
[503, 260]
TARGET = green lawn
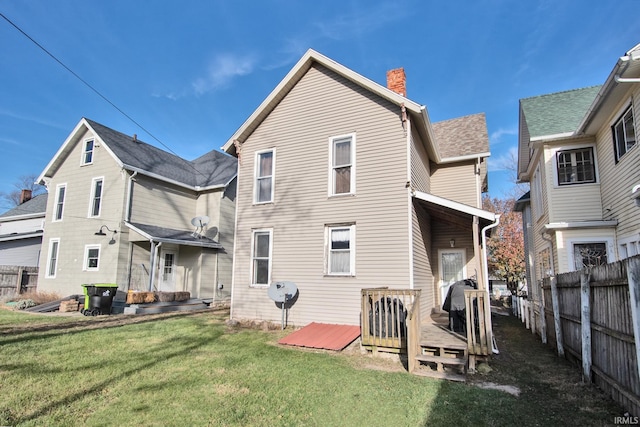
[189, 370]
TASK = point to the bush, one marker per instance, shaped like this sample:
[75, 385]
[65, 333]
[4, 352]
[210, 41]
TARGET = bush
[23, 304]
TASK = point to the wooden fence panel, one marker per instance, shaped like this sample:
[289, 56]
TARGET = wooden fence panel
[16, 279]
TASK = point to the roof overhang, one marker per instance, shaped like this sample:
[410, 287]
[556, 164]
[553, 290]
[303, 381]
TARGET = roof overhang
[418, 113]
[577, 225]
[455, 209]
[20, 236]
[22, 217]
[172, 236]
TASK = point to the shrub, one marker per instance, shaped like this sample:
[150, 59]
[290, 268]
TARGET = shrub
[25, 303]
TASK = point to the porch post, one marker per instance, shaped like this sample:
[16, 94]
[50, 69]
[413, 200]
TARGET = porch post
[477, 254]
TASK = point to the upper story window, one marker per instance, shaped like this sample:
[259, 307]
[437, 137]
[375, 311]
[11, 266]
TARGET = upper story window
[576, 166]
[87, 152]
[264, 174]
[61, 191]
[261, 257]
[624, 134]
[95, 203]
[343, 160]
[341, 250]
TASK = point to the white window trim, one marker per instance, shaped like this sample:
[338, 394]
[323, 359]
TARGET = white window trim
[47, 271]
[255, 176]
[611, 255]
[554, 162]
[353, 165]
[625, 243]
[93, 193]
[352, 249]
[85, 265]
[253, 234]
[84, 151]
[55, 204]
[552, 268]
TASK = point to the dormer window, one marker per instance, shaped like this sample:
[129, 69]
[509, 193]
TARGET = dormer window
[87, 152]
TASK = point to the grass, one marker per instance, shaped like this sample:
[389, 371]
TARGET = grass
[191, 369]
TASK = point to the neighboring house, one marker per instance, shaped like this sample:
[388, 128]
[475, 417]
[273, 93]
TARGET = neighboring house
[122, 211]
[578, 149]
[21, 231]
[344, 184]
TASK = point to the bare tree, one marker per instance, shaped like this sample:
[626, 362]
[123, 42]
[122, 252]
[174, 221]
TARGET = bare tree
[10, 199]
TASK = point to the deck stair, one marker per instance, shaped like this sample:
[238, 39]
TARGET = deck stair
[442, 353]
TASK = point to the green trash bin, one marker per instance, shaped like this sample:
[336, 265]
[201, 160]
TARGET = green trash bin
[98, 298]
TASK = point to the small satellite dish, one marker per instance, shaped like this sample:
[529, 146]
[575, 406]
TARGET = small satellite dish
[199, 222]
[282, 291]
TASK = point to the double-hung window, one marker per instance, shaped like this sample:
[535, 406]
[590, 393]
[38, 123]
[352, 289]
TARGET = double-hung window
[340, 250]
[95, 203]
[61, 191]
[343, 161]
[576, 166]
[52, 261]
[624, 134]
[264, 173]
[87, 152]
[261, 257]
[91, 257]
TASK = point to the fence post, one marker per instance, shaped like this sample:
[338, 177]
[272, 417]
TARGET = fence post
[633, 274]
[543, 317]
[585, 321]
[556, 316]
[19, 280]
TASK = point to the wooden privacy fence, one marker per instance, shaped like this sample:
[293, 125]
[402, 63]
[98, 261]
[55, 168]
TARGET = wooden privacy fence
[17, 280]
[594, 317]
[385, 315]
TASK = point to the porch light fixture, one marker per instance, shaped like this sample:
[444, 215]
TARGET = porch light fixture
[101, 232]
[452, 242]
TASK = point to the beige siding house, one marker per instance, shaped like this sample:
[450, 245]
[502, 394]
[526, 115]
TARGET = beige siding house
[579, 152]
[122, 211]
[335, 193]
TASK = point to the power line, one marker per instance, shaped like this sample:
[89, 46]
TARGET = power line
[96, 90]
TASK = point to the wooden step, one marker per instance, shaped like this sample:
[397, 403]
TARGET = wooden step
[457, 361]
[440, 375]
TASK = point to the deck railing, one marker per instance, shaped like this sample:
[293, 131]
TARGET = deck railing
[478, 323]
[388, 316]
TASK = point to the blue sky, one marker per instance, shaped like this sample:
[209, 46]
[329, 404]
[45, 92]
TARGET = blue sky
[191, 72]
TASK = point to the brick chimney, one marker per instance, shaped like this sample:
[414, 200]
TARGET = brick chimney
[25, 196]
[397, 81]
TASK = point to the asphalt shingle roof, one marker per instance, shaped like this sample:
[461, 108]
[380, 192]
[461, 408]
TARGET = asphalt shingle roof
[462, 136]
[557, 113]
[171, 234]
[212, 169]
[34, 206]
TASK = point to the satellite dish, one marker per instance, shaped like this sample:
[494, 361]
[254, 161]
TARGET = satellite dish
[199, 222]
[282, 292]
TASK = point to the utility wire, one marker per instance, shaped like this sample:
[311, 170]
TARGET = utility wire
[96, 91]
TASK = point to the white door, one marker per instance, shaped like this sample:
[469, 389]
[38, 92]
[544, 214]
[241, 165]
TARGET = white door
[168, 272]
[452, 268]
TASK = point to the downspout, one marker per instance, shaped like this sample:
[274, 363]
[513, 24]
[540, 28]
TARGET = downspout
[485, 268]
[129, 195]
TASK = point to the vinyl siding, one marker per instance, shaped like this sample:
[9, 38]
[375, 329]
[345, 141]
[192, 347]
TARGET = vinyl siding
[564, 200]
[22, 252]
[422, 258]
[225, 238]
[420, 173]
[77, 230]
[619, 179]
[162, 204]
[320, 106]
[456, 181]
[566, 238]
[21, 226]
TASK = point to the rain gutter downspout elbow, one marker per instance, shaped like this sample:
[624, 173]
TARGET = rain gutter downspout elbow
[485, 268]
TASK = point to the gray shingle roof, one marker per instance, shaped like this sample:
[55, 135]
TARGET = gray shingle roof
[557, 113]
[212, 169]
[34, 206]
[171, 235]
[462, 136]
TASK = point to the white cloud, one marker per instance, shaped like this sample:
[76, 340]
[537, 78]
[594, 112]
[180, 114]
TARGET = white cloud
[507, 161]
[496, 136]
[221, 71]
[369, 19]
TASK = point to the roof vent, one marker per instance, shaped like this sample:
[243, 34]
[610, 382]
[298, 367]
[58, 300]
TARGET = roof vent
[135, 137]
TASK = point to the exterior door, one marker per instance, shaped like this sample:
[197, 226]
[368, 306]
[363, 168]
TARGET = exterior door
[452, 268]
[168, 272]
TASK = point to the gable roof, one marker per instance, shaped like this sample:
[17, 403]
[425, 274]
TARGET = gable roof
[417, 112]
[32, 208]
[557, 113]
[462, 136]
[212, 170]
